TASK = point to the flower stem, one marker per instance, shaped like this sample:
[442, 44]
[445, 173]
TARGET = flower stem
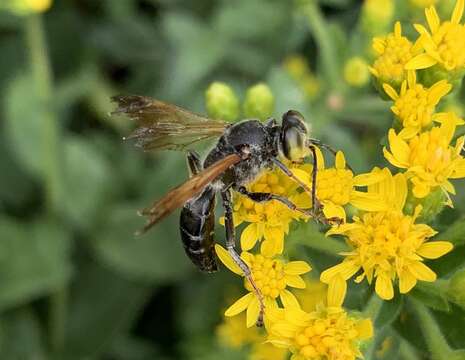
[436, 342]
[42, 81]
[319, 28]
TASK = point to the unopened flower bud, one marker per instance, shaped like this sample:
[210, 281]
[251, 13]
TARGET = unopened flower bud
[259, 102]
[432, 204]
[222, 102]
[356, 72]
[377, 16]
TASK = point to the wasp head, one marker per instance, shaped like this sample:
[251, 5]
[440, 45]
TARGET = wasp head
[293, 136]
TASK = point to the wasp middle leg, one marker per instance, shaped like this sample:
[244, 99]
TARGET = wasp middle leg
[231, 246]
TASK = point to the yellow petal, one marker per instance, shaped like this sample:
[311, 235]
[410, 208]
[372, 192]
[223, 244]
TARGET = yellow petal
[365, 329]
[346, 269]
[421, 271]
[432, 18]
[390, 91]
[397, 29]
[367, 201]
[438, 90]
[337, 290]
[267, 248]
[434, 249]
[302, 175]
[297, 268]
[458, 169]
[458, 12]
[283, 330]
[399, 147]
[294, 281]
[252, 312]
[389, 157]
[369, 179]
[331, 210]
[421, 61]
[401, 190]
[249, 237]
[406, 282]
[227, 260]
[240, 305]
[320, 159]
[288, 299]
[340, 162]
[383, 287]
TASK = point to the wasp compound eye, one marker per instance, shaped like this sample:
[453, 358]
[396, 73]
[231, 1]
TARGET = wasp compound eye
[294, 136]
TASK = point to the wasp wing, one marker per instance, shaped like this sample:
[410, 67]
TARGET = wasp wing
[163, 126]
[182, 193]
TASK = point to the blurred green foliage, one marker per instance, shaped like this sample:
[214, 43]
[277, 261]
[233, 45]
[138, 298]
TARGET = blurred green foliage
[74, 281]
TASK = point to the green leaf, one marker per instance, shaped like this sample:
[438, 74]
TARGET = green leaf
[103, 307]
[157, 255]
[87, 181]
[33, 260]
[20, 336]
[431, 295]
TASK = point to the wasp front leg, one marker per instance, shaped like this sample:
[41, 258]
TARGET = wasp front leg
[231, 246]
[265, 197]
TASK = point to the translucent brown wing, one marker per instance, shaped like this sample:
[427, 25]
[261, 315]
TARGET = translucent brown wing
[163, 126]
[180, 194]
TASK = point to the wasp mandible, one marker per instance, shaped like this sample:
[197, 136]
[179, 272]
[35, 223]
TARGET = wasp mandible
[242, 152]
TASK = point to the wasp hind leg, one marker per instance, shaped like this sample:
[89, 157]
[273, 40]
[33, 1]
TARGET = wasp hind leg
[231, 246]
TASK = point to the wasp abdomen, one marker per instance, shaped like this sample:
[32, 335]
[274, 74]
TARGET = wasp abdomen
[197, 224]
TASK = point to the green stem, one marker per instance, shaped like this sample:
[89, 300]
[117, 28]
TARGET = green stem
[436, 342]
[328, 55]
[50, 157]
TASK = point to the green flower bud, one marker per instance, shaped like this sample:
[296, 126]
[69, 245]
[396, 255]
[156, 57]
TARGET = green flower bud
[222, 102]
[377, 16]
[432, 205]
[259, 102]
[356, 72]
[456, 288]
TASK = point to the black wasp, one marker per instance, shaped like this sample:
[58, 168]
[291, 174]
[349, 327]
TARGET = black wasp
[243, 150]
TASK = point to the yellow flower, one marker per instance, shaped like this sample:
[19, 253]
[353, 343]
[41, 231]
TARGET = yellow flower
[272, 277]
[414, 105]
[444, 45]
[326, 333]
[429, 158]
[270, 220]
[356, 72]
[336, 187]
[387, 245]
[393, 52]
[231, 332]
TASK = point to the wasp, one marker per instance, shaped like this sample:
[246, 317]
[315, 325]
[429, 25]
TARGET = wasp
[243, 150]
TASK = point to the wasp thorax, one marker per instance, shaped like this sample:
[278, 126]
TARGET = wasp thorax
[294, 136]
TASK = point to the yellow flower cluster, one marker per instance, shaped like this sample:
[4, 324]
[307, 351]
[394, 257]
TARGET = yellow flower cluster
[390, 245]
[388, 240]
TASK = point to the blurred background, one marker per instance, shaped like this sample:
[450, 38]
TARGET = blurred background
[74, 281]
